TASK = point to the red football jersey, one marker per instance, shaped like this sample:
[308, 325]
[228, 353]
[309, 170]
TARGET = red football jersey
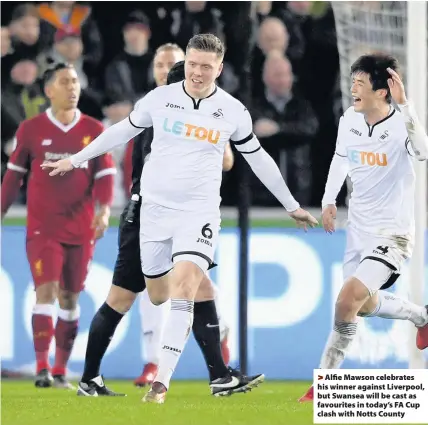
[61, 207]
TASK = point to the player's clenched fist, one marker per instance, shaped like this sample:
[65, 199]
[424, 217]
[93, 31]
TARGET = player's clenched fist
[303, 218]
[59, 167]
[328, 218]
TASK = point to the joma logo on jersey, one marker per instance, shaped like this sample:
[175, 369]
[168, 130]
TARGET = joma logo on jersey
[368, 158]
[171, 105]
[358, 133]
[192, 131]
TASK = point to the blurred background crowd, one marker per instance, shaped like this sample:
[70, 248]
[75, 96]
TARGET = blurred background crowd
[281, 61]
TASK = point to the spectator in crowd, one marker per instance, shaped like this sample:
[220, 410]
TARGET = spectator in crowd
[60, 14]
[68, 48]
[115, 109]
[272, 35]
[6, 44]
[195, 17]
[285, 124]
[22, 98]
[6, 50]
[296, 43]
[130, 72]
[24, 28]
[239, 27]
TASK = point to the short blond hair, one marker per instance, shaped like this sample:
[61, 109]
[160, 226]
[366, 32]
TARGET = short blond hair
[169, 47]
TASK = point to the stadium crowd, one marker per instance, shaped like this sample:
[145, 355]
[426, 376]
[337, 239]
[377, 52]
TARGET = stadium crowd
[281, 61]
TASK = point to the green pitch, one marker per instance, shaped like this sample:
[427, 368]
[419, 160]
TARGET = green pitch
[188, 403]
[114, 221]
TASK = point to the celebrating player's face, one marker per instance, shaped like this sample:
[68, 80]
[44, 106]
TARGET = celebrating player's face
[163, 62]
[365, 99]
[64, 90]
[201, 69]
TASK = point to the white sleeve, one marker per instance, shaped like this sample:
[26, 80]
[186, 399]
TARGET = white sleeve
[243, 138]
[120, 133]
[116, 135]
[336, 176]
[417, 137]
[338, 170]
[140, 117]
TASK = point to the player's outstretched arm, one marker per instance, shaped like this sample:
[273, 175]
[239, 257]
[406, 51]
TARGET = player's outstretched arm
[116, 135]
[417, 135]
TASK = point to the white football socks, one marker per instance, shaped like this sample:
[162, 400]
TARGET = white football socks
[175, 336]
[153, 320]
[392, 307]
[338, 344]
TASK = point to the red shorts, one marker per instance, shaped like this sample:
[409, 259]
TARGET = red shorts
[53, 261]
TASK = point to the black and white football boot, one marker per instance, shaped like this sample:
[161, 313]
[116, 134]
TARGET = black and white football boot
[43, 379]
[235, 382]
[96, 387]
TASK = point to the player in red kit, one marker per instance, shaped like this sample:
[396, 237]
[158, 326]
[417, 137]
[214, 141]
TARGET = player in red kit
[62, 224]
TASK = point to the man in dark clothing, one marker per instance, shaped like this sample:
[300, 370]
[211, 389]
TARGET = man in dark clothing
[130, 72]
[286, 126]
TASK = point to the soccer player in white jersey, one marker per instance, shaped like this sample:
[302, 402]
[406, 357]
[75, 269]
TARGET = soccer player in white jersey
[180, 188]
[376, 147]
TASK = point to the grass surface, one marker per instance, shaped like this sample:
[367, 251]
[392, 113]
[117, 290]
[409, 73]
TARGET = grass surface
[188, 403]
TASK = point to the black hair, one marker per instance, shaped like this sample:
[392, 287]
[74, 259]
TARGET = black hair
[24, 10]
[50, 73]
[176, 73]
[375, 66]
[207, 43]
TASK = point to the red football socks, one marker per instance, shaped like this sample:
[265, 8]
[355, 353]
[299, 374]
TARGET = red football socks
[43, 331]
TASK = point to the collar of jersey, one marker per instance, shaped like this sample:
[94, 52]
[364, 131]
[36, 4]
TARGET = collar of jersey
[196, 103]
[371, 127]
[60, 125]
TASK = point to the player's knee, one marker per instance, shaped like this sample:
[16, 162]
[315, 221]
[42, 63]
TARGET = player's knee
[369, 306]
[159, 289]
[351, 298]
[67, 300]
[187, 277]
[47, 293]
[120, 299]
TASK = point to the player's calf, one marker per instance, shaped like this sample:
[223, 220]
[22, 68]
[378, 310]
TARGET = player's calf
[185, 281]
[65, 334]
[352, 296]
[43, 329]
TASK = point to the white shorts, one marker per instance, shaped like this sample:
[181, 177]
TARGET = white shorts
[375, 260]
[168, 236]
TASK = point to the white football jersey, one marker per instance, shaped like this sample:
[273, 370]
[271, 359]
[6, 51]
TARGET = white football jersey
[381, 171]
[184, 171]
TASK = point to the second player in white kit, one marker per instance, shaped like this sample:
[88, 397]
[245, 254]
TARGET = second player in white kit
[376, 147]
